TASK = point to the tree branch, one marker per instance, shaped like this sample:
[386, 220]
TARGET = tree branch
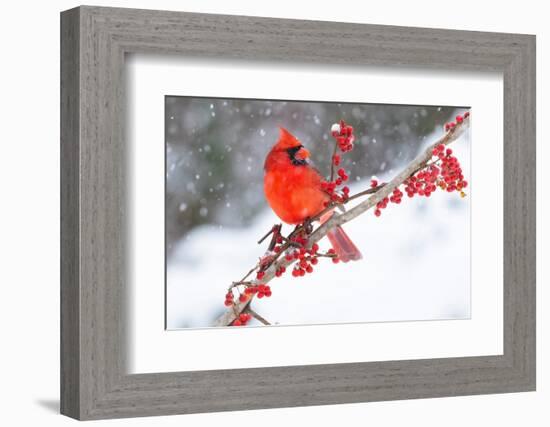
[378, 194]
[257, 316]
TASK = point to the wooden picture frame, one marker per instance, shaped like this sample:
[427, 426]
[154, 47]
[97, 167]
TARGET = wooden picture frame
[94, 41]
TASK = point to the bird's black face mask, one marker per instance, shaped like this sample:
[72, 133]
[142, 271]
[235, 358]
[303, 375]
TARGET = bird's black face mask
[292, 155]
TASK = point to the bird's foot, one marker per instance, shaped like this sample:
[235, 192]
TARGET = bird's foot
[308, 226]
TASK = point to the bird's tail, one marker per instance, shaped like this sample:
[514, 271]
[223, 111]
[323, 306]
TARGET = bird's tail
[342, 244]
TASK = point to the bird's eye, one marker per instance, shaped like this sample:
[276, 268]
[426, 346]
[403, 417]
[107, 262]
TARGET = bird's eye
[293, 150]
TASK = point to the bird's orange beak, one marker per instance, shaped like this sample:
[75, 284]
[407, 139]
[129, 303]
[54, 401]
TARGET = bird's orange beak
[302, 154]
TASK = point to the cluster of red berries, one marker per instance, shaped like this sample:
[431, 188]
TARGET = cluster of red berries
[447, 176]
[331, 187]
[242, 320]
[444, 172]
[343, 133]
[259, 290]
[459, 119]
[306, 259]
[280, 271]
[229, 299]
[451, 177]
[342, 176]
[423, 183]
[396, 197]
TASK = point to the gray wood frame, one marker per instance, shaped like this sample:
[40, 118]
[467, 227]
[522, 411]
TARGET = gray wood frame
[94, 41]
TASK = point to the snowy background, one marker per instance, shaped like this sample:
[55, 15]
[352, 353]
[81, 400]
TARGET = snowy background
[416, 262]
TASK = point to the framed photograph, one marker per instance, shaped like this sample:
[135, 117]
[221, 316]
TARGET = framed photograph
[262, 213]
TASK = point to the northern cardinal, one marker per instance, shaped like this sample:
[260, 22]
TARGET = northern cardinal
[293, 190]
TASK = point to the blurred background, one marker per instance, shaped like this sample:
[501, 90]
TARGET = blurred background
[416, 255]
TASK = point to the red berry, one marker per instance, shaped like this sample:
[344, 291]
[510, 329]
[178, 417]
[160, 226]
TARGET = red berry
[373, 183]
[237, 322]
[459, 119]
[377, 212]
[466, 114]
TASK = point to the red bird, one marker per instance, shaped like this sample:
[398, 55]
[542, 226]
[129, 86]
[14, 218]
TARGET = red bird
[292, 188]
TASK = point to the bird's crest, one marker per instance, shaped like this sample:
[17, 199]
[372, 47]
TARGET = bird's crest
[286, 139]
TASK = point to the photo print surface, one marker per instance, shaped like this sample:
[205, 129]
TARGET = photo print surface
[297, 176]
